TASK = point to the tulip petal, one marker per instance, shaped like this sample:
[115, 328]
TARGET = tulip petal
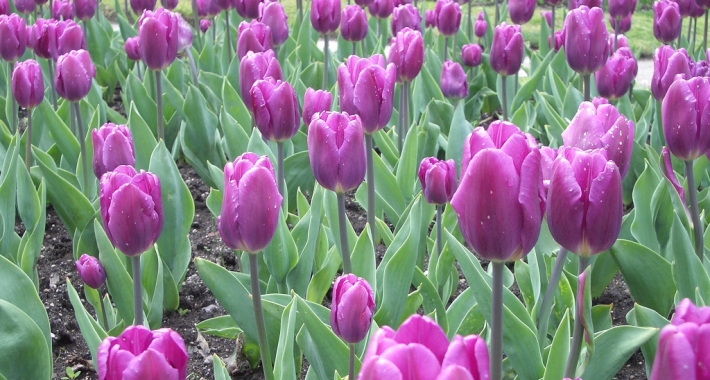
[455, 372]
[352, 161]
[414, 360]
[478, 140]
[380, 341]
[115, 151]
[565, 209]
[603, 221]
[151, 364]
[425, 331]
[529, 198]
[379, 369]
[136, 210]
[260, 201]
[354, 315]
[323, 153]
[675, 359]
[367, 97]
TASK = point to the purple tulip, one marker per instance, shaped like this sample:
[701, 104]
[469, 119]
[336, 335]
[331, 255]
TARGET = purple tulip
[407, 54]
[113, 147]
[353, 23]
[84, 9]
[205, 25]
[668, 172]
[352, 307]
[325, 15]
[315, 101]
[363, 3]
[574, 4]
[480, 26]
[139, 6]
[453, 80]
[603, 128]
[25, 6]
[559, 40]
[13, 37]
[615, 77]
[586, 37]
[159, 35]
[507, 49]
[381, 8]
[184, 35]
[132, 48]
[366, 89]
[667, 64]
[699, 69]
[438, 180]
[62, 10]
[624, 24]
[4, 7]
[501, 199]
[687, 133]
[471, 55]
[466, 356]
[27, 84]
[547, 15]
[619, 9]
[253, 36]
[275, 108]
[272, 14]
[621, 42]
[251, 206]
[91, 271]
[430, 18]
[406, 16]
[256, 66]
[169, 4]
[521, 11]
[75, 72]
[225, 5]
[696, 11]
[666, 21]
[139, 353]
[207, 8]
[401, 2]
[448, 17]
[248, 9]
[584, 205]
[418, 333]
[63, 37]
[685, 7]
[687, 312]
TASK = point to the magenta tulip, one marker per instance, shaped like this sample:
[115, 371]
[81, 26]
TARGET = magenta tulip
[615, 77]
[381, 8]
[315, 101]
[272, 14]
[521, 11]
[453, 80]
[353, 23]
[621, 42]
[471, 55]
[586, 46]
[406, 16]
[91, 271]
[430, 18]
[113, 147]
[687, 133]
[407, 54]
[62, 10]
[574, 4]
[256, 66]
[253, 36]
[438, 180]
[480, 26]
[139, 6]
[27, 84]
[25, 6]
[158, 35]
[668, 172]
[666, 21]
[169, 4]
[205, 25]
[4, 7]
[132, 48]
[624, 24]
[325, 15]
[275, 108]
[85, 9]
[74, 75]
[507, 50]
[352, 308]
[559, 40]
[619, 9]
[448, 17]
[184, 35]
[248, 9]
[13, 37]
[207, 8]
[667, 64]
[466, 356]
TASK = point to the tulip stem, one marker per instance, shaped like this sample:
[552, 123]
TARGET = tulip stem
[351, 366]
[259, 315]
[159, 104]
[705, 34]
[406, 109]
[51, 83]
[280, 169]
[326, 50]
[496, 360]
[578, 334]
[370, 151]
[13, 118]
[138, 67]
[694, 211]
[469, 25]
[687, 34]
[103, 311]
[446, 48]
[299, 5]
[229, 38]
[497, 13]
[616, 34]
[400, 120]
[137, 291]
[695, 32]
[362, 46]
[82, 145]
[354, 48]
[504, 96]
[680, 35]
[587, 89]
[193, 67]
[439, 241]
[28, 140]
[342, 225]
[547, 300]
[552, 26]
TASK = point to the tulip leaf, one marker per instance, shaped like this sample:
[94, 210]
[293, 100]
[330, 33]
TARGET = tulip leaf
[363, 258]
[152, 279]
[92, 333]
[464, 315]
[605, 269]
[408, 165]
[118, 280]
[559, 350]
[222, 327]
[573, 99]
[220, 371]
[617, 345]
[8, 193]
[143, 138]
[281, 254]
[430, 298]
[144, 101]
[235, 136]
[24, 353]
[642, 227]
[323, 278]
[688, 271]
[425, 89]
[555, 123]
[460, 129]
[61, 134]
[298, 175]
[299, 277]
[522, 276]
[644, 317]
[284, 366]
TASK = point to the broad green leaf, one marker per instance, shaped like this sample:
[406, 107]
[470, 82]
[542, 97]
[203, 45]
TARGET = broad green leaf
[559, 350]
[143, 137]
[460, 129]
[617, 345]
[92, 333]
[284, 366]
[119, 282]
[23, 350]
[644, 317]
[527, 89]
[688, 271]
[222, 326]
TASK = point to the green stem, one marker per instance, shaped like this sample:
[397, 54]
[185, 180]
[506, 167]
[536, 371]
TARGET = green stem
[705, 34]
[547, 300]
[406, 109]
[616, 34]
[400, 119]
[504, 92]
[680, 35]
[695, 31]
[342, 225]
[299, 5]
[28, 140]
[446, 48]
[13, 118]
[82, 145]
[587, 89]
[280, 169]
[326, 51]
[497, 19]
[193, 66]
[159, 104]
[362, 45]
[229, 38]
[370, 151]
[137, 291]
[354, 48]
[351, 366]
[578, 335]
[496, 359]
[694, 211]
[51, 83]
[439, 241]
[552, 26]
[103, 310]
[259, 315]
[469, 25]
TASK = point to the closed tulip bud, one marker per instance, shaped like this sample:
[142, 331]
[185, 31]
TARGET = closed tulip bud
[84, 9]
[363, 3]
[453, 80]
[315, 101]
[253, 36]
[618, 9]
[480, 26]
[448, 17]
[467, 356]
[366, 89]
[547, 15]
[225, 5]
[256, 66]
[325, 15]
[687, 132]
[207, 8]
[158, 34]
[132, 48]
[205, 25]
[586, 37]
[501, 195]
[37, 37]
[352, 308]
[471, 55]
[62, 10]
[430, 18]
[666, 21]
[438, 180]
[624, 24]
[169, 4]
[139, 6]
[574, 4]
[604, 128]
[406, 16]
[667, 64]
[75, 72]
[559, 40]
[27, 84]
[4, 7]
[507, 49]
[25, 6]
[381, 8]
[353, 23]
[407, 54]
[401, 2]
[584, 205]
[668, 172]
[248, 9]
[13, 37]
[91, 271]
[621, 42]
[615, 77]
[275, 108]
[521, 11]
[139, 353]
[113, 147]
[685, 7]
[184, 35]
[63, 37]
[683, 352]
[272, 14]
[697, 11]
[251, 205]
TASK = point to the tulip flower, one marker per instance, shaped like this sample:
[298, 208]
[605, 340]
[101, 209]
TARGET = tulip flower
[381, 9]
[407, 54]
[619, 9]
[139, 6]
[521, 11]
[406, 16]
[325, 16]
[84, 9]
[667, 64]
[471, 55]
[366, 89]
[256, 66]
[315, 101]
[466, 356]
[624, 24]
[687, 312]
[666, 21]
[559, 40]
[158, 36]
[63, 37]
[208, 8]
[506, 55]
[113, 147]
[480, 27]
[574, 4]
[205, 25]
[668, 172]
[453, 81]
[275, 108]
[25, 6]
[586, 38]
[363, 3]
[685, 7]
[13, 37]
[438, 180]
[4, 7]
[687, 133]
[27, 84]
[353, 24]
[621, 41]
[62, 10]
[430, 18]
[75, 72]
[248, 9]
[139, 353]
[272, 14]
[615, 77]
[700, 69]
[448, 21]
[253, 36]
[169, 4]
[91, 271]
[352, 308]
[132, 48]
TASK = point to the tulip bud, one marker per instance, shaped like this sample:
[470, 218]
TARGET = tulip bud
[25, 6]
[253, 36]
[184, 35]
[559, 40]
[225, 5]
[407, 54]
[169, 4]
[467, 356]
[619, 9]
[438, 180]
[448, 17]
[624, 24]
[430, 18]
[248, 9]
[251, 205]
[256, 66]
[4, 7]
[453, 80]
[353, 23]
[27, 84]
[158, 35]
[132, 48]
[615, 77]
[471, 55]
[366, 89]
[621, 41]
[275, 108]
[685, 7]
[91, 271]
[401, 2]
[63, 36]
[586, 38]
[205, 25]
[113, 147]
[139, 6]
[584, 205]
[667, 64]
[500, 199]
[75, 72]
[666, 21]
[363, 3]
[325, 15]
[683, 352]
[507, 49]
[480, 26]
[521, 11]
[687, 133]
[207, 8]
[406, 16]
[139, 353]
[352, 308]
[604, 128]
[696, 11]
[315, 101]
[547, 15]
[574, 4]
[62, 10]
[13, 37]
[272, 14]
[668, 172]
[381, 8]
[84, 9]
